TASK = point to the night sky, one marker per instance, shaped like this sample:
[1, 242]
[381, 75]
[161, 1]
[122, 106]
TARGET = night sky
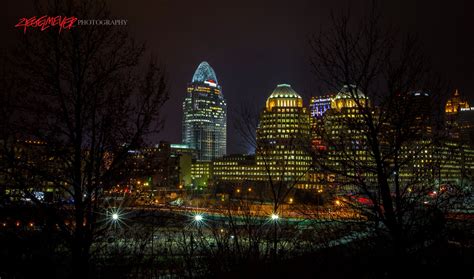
[255, 45]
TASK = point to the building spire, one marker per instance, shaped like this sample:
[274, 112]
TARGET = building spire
[204, 72]
[456, 93]
[455, 103]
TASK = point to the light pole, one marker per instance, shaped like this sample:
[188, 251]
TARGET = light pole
[115, 219]
[274, 218]
[198, 220]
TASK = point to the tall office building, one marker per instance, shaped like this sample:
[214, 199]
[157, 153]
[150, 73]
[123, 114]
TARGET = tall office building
[456, 122]
[320, 104]
[344, 134]
[465, 124]
[205, 115]
[420, 113]
[455, 104]
[283, 136]
[318, 107]
[283, 146]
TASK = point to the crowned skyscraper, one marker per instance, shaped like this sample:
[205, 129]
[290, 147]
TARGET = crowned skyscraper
[205, 115]
[283, 136]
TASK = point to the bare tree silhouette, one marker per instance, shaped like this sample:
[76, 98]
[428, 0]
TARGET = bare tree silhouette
[87, 98]
[382, 124]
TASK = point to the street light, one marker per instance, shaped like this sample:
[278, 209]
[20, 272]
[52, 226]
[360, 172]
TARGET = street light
[274, 217]
[198, 218]
[114, 217]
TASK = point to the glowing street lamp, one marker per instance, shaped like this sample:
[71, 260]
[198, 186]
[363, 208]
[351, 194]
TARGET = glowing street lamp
[274, 217]
[198, 218]
[115, 217]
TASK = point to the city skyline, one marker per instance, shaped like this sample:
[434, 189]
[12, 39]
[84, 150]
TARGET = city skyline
[236, 139]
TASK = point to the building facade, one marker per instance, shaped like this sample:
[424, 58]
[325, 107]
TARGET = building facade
[344, 134]
[455, 104]
[458, 117]
[318, 106]
[186, 156]
[283, 146]
[466, 126]
[205, 115]
[283, 136]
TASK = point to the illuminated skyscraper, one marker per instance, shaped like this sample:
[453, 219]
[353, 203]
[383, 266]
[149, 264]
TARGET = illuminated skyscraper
[344, 133]
[420, 115]
[205, 115]
[283, 146]
[455, 104]
[319, 105]
[283, 136]
[466, 126]
[456, 122]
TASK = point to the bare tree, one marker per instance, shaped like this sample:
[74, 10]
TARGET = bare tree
[87, 96]
[374, 141]
[282, 160]
[246, 123]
